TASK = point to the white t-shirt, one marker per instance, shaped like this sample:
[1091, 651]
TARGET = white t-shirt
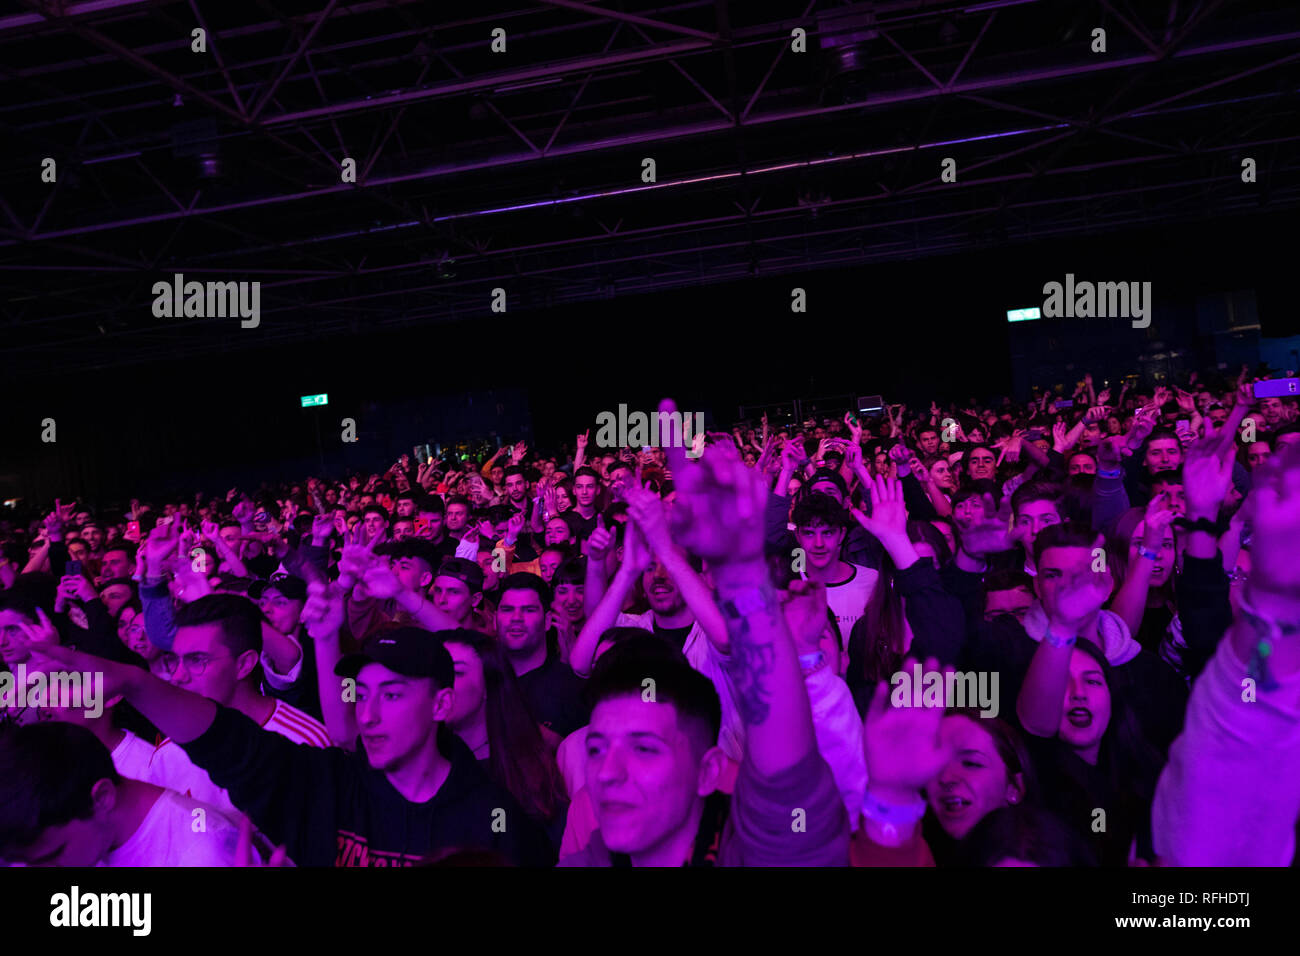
[704, 657]
[168, 765]
[848, 600]
[179, 831]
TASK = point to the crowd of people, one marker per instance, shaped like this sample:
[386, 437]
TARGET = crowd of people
[688, 656]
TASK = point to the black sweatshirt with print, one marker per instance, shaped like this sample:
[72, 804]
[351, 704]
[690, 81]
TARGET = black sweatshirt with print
[329, 807]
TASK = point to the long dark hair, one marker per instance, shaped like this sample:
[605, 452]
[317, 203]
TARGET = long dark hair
[1132, 765]
[520, 760]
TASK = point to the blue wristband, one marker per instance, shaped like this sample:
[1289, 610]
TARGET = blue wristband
[1056, 641]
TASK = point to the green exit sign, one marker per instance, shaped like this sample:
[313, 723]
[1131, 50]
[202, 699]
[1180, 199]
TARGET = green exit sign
[309, 400]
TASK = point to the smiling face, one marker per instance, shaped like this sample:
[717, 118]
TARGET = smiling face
[569, 602]
[660, 591]
[941, 475]
[975, 782]
[1086, 711]
[644, 775]
[981, 463]
[397, 716]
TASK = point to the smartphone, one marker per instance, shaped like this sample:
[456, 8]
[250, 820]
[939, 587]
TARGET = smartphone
[1277, 388]
[133, 531]
[73, 567]
[421, 525]
[1063, 403]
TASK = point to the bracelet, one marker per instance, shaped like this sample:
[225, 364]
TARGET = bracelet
[811, 663]
[891, 816]
[1148, 553]
[1056, 641]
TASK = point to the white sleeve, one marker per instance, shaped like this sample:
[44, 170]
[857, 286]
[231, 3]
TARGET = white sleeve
[839, 736]
[285, 680]
[467, 549]
[1230, 794]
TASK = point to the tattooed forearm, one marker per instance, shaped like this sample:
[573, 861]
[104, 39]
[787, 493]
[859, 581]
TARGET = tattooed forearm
[750, 668]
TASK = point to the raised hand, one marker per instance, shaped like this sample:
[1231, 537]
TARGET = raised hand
[584, 438]
[718, 512]
[323, 611]
[636, 553]
[600, 542]
[646, 510]
[793, 454]
[1207, 472]
[1156, 522]
[518, 452]
[1077, 597]
[1059, 433]
[514, 525]
[888, 518]
[905, 747]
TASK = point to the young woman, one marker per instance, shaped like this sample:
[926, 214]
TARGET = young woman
[933, 776]
[491, 717]
[1096, 769]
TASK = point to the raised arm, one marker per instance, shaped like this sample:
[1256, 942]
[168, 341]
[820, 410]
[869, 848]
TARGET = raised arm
[645, 508]
[323, 615]
[636, 558]
[718, 516]
[1238, 757]
[1073, 604]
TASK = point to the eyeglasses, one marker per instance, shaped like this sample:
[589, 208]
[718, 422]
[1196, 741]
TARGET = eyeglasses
[195, 664]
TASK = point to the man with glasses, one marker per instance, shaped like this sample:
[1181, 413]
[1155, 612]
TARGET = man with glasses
[216, 653]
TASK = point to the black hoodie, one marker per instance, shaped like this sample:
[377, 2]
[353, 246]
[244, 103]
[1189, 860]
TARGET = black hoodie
[331, 808]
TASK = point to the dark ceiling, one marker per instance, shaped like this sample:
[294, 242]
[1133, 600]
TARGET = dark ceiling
[522, 169]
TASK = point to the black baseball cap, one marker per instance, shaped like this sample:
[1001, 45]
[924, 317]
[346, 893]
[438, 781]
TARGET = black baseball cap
[294, 588]
[464, 570]
[409, 651]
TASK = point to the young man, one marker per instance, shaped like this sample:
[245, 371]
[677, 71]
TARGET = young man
[586, 489]
[820, 527]
[652, 767]
[1035, 506]
[458, 592]
[552, 690]
[216, 653]
[63, 803]
[416, 793]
